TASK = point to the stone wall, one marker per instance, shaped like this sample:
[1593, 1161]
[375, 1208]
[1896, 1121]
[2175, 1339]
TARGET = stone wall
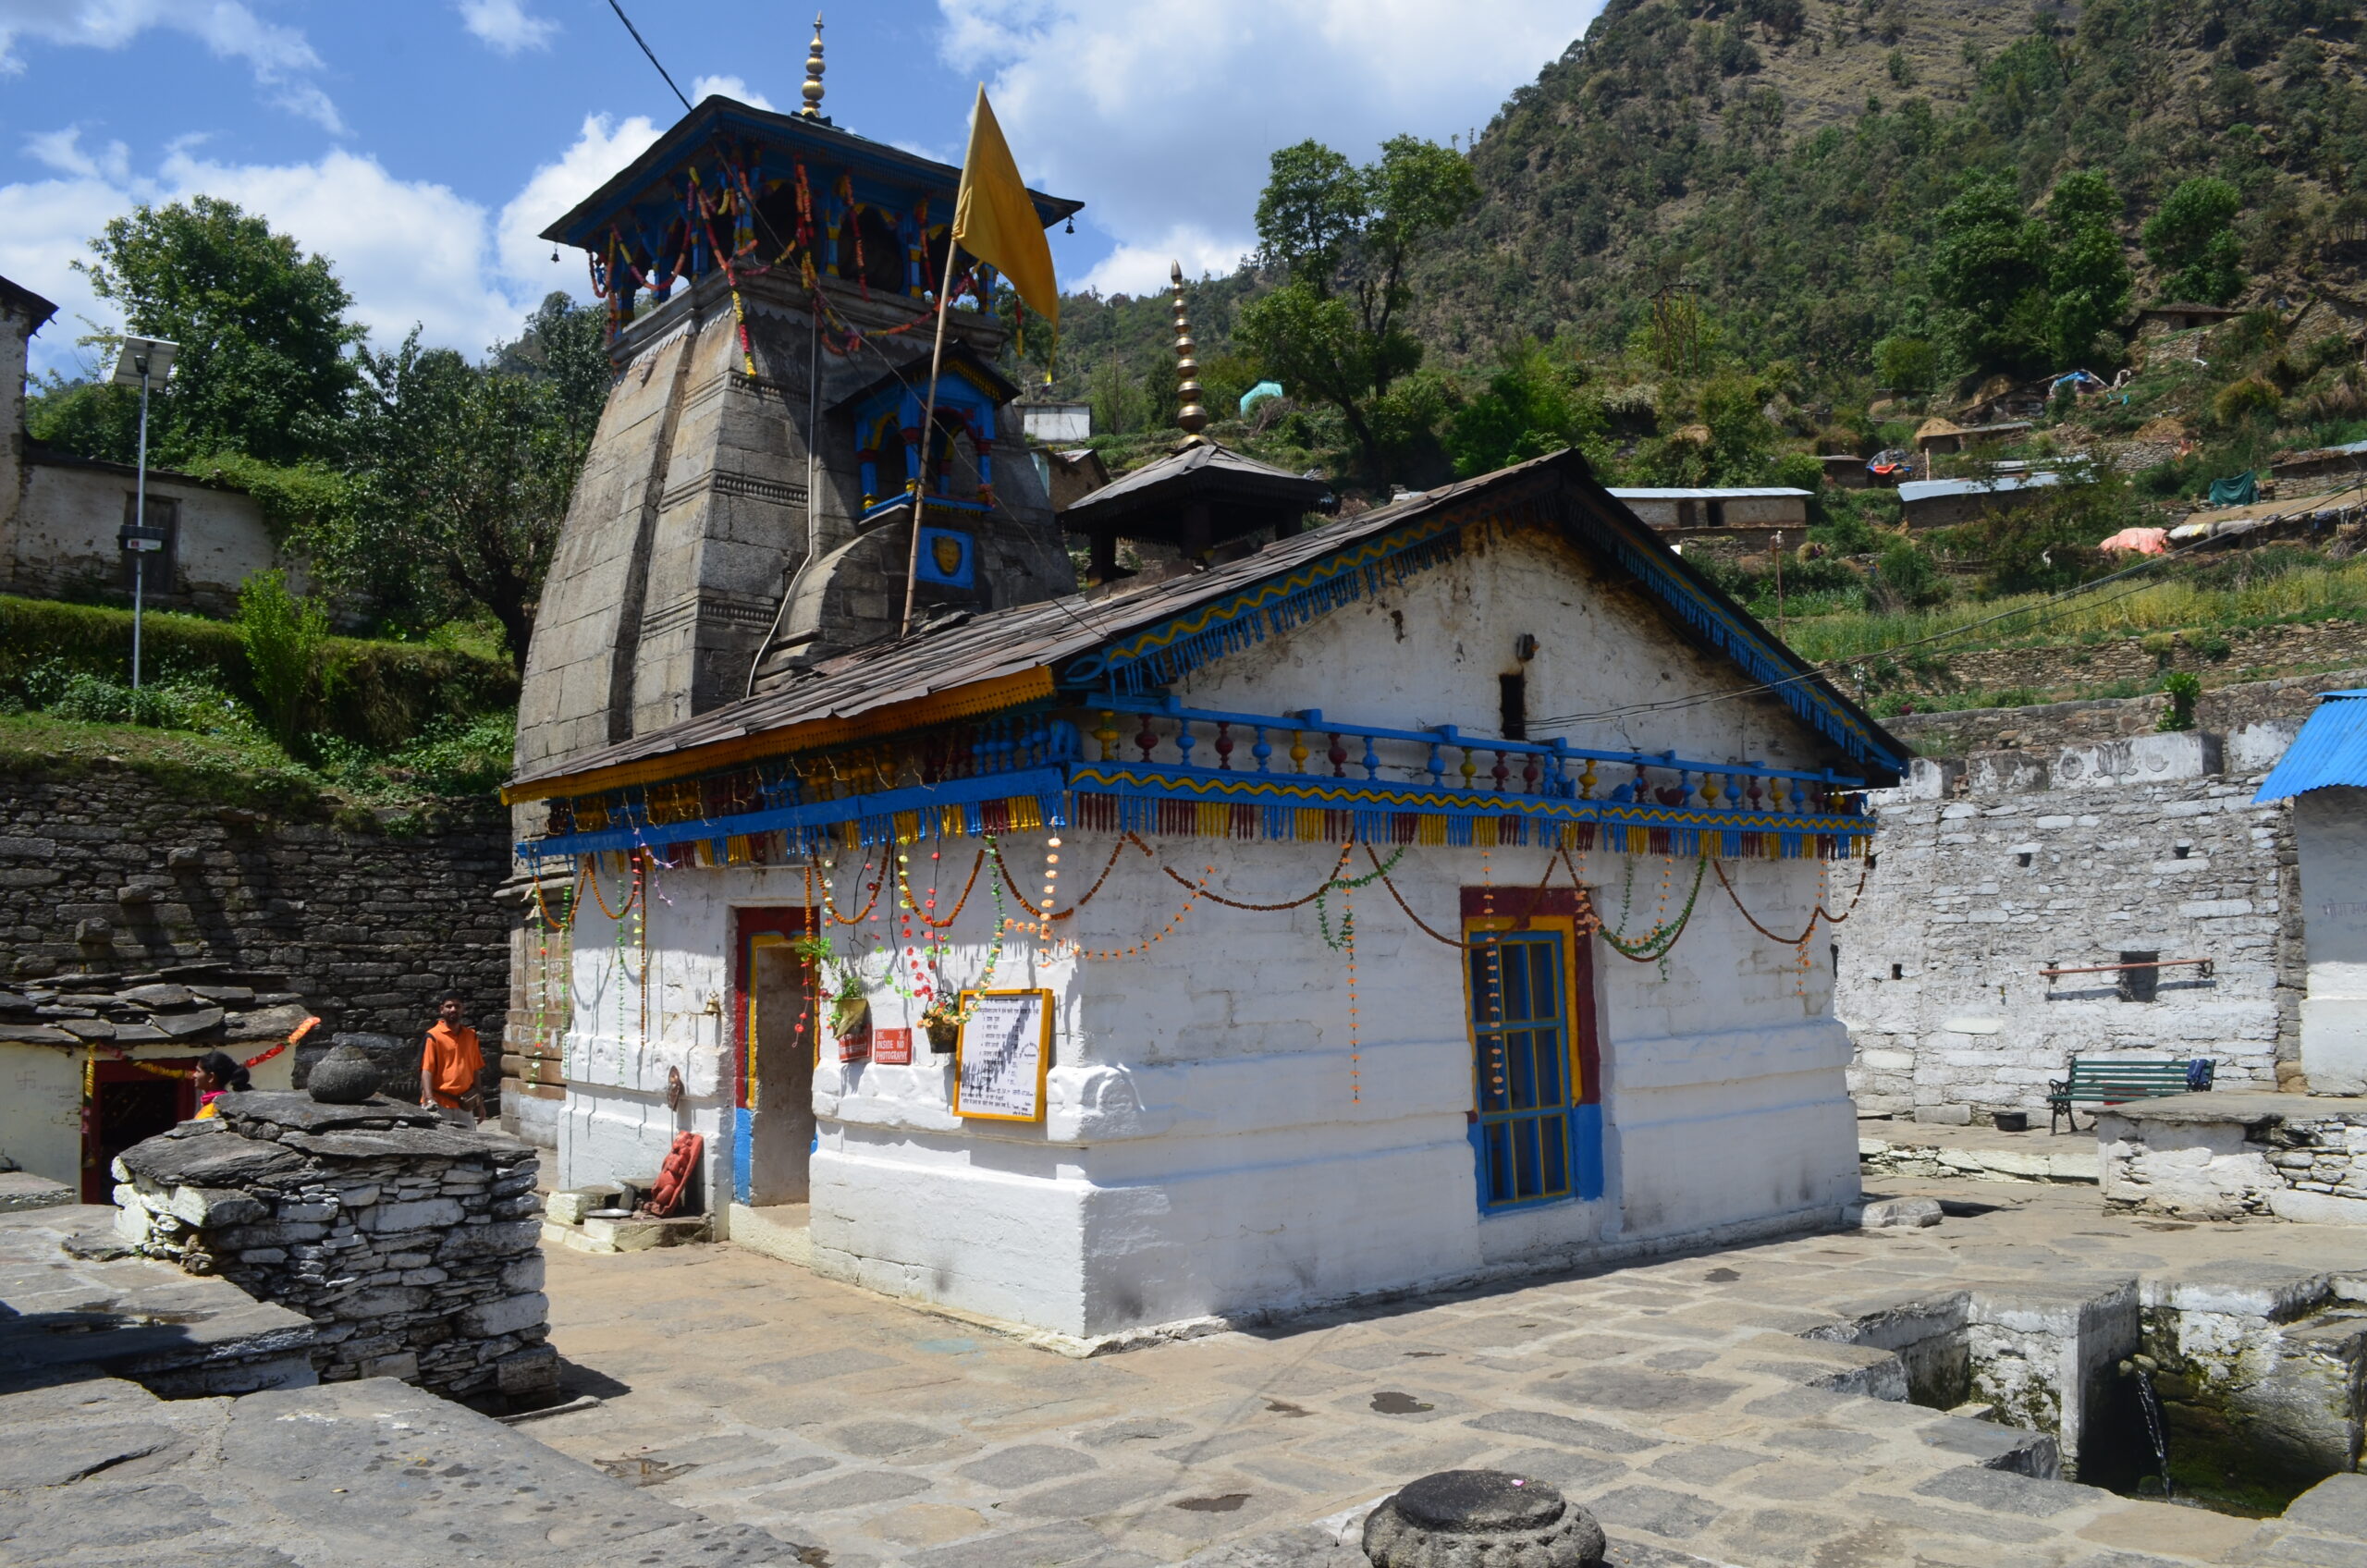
[2216, 1156]
[109, 869]
[2048, 847]
[409, 1241]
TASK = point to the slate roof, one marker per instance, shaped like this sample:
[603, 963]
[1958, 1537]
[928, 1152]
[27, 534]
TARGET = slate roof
[19, 299]
[2330, 751]
[964, 650]
[716, 114]
[1202, 469]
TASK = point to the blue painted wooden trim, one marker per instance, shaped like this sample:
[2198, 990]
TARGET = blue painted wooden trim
[1312, 791]
[1037, 782]
[742, 1181]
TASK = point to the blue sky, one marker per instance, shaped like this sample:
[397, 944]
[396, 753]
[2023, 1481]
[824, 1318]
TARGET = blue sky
[421, 145]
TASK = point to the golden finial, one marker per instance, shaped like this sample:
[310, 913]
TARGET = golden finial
[1192, 417]
[813, 110]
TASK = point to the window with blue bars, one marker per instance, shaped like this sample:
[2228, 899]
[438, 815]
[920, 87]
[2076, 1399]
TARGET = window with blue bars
[1520, 1042]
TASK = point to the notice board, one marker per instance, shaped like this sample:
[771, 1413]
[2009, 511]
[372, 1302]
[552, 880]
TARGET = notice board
[1003, 1053]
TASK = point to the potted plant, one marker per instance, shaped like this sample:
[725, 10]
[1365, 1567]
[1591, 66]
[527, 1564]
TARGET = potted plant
[943, 1021]
[838, 983]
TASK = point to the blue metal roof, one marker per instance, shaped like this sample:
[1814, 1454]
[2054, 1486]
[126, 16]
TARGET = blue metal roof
[2330, 751]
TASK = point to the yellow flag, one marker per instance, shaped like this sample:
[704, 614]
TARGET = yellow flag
[994, 221]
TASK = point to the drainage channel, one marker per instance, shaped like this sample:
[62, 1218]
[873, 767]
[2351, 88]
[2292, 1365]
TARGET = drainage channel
[2235, 1387]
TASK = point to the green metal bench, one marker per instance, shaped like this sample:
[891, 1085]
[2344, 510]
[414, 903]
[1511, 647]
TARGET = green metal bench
[2111, 1080]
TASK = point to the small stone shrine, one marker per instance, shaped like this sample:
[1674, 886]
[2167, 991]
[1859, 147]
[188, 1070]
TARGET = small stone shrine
[408, 1239]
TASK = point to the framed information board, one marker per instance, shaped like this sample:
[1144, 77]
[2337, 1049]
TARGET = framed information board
[1003, 1053]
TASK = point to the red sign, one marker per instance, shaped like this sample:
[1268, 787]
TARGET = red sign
[854, 1043]
[892, 1048]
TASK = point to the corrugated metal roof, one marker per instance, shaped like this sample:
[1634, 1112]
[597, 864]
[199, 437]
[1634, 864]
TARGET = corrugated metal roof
[2330, 751]
[1931, 489]
[1734, 494]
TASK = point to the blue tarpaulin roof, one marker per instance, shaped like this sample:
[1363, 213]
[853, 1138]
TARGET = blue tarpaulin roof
[2330, 751]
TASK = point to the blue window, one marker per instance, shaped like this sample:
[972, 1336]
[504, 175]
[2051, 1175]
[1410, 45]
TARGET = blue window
[1521, 1067]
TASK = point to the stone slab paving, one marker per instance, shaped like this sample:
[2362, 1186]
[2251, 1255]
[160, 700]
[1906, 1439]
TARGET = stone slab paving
[72, 1304]
[99, 1473]
[1674, 1398]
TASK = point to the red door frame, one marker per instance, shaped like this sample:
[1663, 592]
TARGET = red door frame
[98, 1181]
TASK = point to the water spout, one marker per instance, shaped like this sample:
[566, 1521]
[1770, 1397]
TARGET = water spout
[2141, 1369]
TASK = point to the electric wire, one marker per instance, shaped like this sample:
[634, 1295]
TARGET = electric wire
[617, 7]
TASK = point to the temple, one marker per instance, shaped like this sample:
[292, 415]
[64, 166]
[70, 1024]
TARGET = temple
[747, 499]
[1351, 905]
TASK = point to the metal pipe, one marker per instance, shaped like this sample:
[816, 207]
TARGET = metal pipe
[2116, 968]
[139, 525]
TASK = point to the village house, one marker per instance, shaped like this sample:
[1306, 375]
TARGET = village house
[60, 514]
[1744, 519]
[2325, 775]
[1404, 898]
[1943, 503]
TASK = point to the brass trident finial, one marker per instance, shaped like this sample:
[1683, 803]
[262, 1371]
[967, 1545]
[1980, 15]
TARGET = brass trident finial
[1192, 417]
[813, 110]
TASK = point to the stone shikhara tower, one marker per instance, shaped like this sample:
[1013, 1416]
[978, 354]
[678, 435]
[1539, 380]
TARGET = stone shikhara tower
[745, 510]
[743, 514]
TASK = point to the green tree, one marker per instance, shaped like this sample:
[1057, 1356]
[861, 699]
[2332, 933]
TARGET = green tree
[264, 366]
[2087, 275]
[1343, 236]
[467, 472]
[2192, 240]
[1989, 272]
[1531, 407]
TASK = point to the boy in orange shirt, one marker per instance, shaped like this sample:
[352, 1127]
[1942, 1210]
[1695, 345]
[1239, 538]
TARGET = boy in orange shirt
[451, 1061]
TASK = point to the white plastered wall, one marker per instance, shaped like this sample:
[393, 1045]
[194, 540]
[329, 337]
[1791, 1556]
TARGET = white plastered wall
[2330, 830]
[615, 1123]
[41, 1099]
[1205, 1147]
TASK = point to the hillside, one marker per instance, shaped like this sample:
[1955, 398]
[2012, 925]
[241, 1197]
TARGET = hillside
[1788, 160]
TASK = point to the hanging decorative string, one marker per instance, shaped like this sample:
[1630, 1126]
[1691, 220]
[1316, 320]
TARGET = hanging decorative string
[1349, 885]
[1355, 1037]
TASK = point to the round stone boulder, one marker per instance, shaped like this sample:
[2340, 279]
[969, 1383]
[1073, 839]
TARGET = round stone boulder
[1481, 1519]
[344, 1075]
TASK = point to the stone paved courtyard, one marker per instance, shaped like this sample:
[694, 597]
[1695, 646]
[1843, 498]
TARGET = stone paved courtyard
[1672, 1397]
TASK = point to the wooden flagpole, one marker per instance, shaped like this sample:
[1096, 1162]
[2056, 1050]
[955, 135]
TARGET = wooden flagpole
[928, 421]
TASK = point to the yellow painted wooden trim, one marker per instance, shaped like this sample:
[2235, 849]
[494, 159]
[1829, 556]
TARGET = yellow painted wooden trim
[961, 702]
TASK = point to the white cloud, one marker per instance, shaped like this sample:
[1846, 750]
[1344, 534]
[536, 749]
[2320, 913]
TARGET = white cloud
[407, 250]
[601, 148]
[62, 151]
[707, 87]
[1092, 93]
[1146, 269]
[281, 57]
[507, 26]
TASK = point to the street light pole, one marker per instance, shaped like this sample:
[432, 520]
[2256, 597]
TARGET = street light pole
[143, 361]
[140, 524]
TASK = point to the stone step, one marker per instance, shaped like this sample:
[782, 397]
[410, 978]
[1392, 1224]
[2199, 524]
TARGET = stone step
[1910, 1156]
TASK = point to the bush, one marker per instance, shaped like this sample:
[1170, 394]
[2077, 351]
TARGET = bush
[2184, 686]
[383, 696]
[2241, 402]
[284, 636]
[1907, 574]
[1846, 534]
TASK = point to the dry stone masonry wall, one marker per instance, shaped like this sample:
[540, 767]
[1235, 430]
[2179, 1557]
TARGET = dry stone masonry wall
[408, 1239]
[2061, 840]
[108, 870]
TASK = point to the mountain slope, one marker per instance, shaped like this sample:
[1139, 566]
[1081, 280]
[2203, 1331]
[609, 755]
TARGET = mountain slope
[1788, 160]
